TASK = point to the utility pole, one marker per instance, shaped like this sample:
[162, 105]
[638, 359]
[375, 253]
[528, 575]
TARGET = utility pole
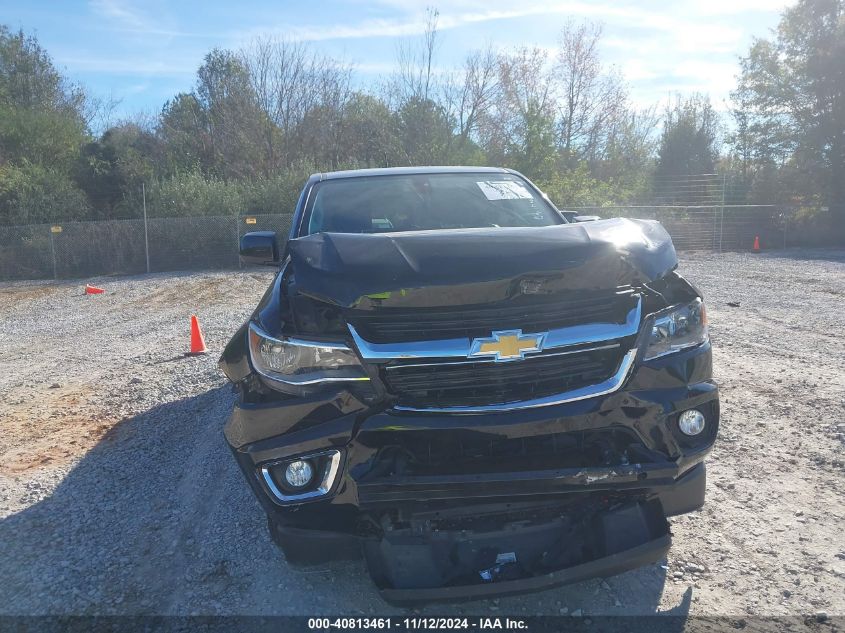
[146, 234]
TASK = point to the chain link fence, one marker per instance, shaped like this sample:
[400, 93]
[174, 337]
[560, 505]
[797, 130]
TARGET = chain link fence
[113, 247]
[86, 249]
[710, 227]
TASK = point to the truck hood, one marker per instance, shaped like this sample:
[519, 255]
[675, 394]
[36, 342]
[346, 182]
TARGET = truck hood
[463, 266]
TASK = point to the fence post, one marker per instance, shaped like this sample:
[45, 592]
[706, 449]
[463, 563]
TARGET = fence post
[785, 225]
[714, 242]
[53, 253]
[722, 212]
[146, 235]
[238, 240]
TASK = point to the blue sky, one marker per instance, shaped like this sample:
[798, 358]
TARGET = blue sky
[144, 52]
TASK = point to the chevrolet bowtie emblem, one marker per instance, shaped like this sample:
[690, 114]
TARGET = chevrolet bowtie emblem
[507, 345]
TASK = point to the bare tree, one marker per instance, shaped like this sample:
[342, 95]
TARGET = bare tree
[522, 119]
[98, 112]
[324, 124]
[628, 148]
[259, 61]
[590, 97]
[471, 92]
[415, 60]
[293, 84]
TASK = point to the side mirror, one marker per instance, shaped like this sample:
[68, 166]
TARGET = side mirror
[586, 218]
[260, 247]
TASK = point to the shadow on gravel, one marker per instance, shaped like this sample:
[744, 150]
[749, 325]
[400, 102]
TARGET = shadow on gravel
[156, 519]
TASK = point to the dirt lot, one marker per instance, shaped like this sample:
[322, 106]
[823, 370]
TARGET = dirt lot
[118, 494]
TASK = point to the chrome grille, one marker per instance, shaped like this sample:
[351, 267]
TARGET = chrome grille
[484, 382]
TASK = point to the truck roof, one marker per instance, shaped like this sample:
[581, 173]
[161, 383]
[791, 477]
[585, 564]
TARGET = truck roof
[397, 171]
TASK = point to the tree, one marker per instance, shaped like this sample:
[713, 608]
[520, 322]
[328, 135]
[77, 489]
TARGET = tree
[29, 80]
[325, 124]
[183, 128]
[471, 93]
[626, 160]
[42, 126]
[688, 143]
[232, 114]
[303, 98]
[370, 134]
[41, 113]
[415, 79]
[424, 132]
[591, 99]
[112, 168]
[790, 113]
[520, 130]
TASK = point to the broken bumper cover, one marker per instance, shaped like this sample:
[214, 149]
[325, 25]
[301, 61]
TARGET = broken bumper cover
[410, 567]
[637, 556]
[395, 463]
[679, 492]
[418, 566]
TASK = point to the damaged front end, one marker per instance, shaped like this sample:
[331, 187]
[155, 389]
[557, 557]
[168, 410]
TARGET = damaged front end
[457, 553]
[483, 411]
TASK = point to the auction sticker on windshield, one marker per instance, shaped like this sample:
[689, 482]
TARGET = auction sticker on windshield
[504, 190]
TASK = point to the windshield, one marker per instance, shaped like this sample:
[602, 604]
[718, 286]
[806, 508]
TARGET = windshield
[419, 202]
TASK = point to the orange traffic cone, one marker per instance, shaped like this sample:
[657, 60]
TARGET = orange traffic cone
[197, 341]
[756, 247]
[93, 290]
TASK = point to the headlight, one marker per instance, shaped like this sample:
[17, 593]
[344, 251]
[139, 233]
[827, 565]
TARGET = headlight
[299, 362]
[676, 330]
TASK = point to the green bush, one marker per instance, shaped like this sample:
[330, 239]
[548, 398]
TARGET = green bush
[276, 194]
[813, 226]
[32, 194]
[192, 193]
[575, 188]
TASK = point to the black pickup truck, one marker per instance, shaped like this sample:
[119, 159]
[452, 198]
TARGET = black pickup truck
[480, 396]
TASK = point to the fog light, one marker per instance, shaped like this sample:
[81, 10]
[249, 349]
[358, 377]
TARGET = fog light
[299, 474]
[691, 422]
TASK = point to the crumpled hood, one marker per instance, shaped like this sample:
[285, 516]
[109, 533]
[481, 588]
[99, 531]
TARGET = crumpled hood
[478, 265]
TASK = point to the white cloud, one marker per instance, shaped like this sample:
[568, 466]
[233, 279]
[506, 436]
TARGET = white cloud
[128, 66]
[711, 77]
[414, 24]
[637, 69]
[120, 12]
[137, 88]
[122, 16]
[698, 37]
[734, 7]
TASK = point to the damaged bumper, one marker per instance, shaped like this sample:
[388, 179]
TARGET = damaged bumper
[416, 564]
[519, 556]
[566, 492]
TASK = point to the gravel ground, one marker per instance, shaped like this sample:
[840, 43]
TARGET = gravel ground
[118, 494]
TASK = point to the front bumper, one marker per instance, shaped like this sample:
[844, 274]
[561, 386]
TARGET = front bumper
[410, 566]
[664, 468]
[637, 556]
